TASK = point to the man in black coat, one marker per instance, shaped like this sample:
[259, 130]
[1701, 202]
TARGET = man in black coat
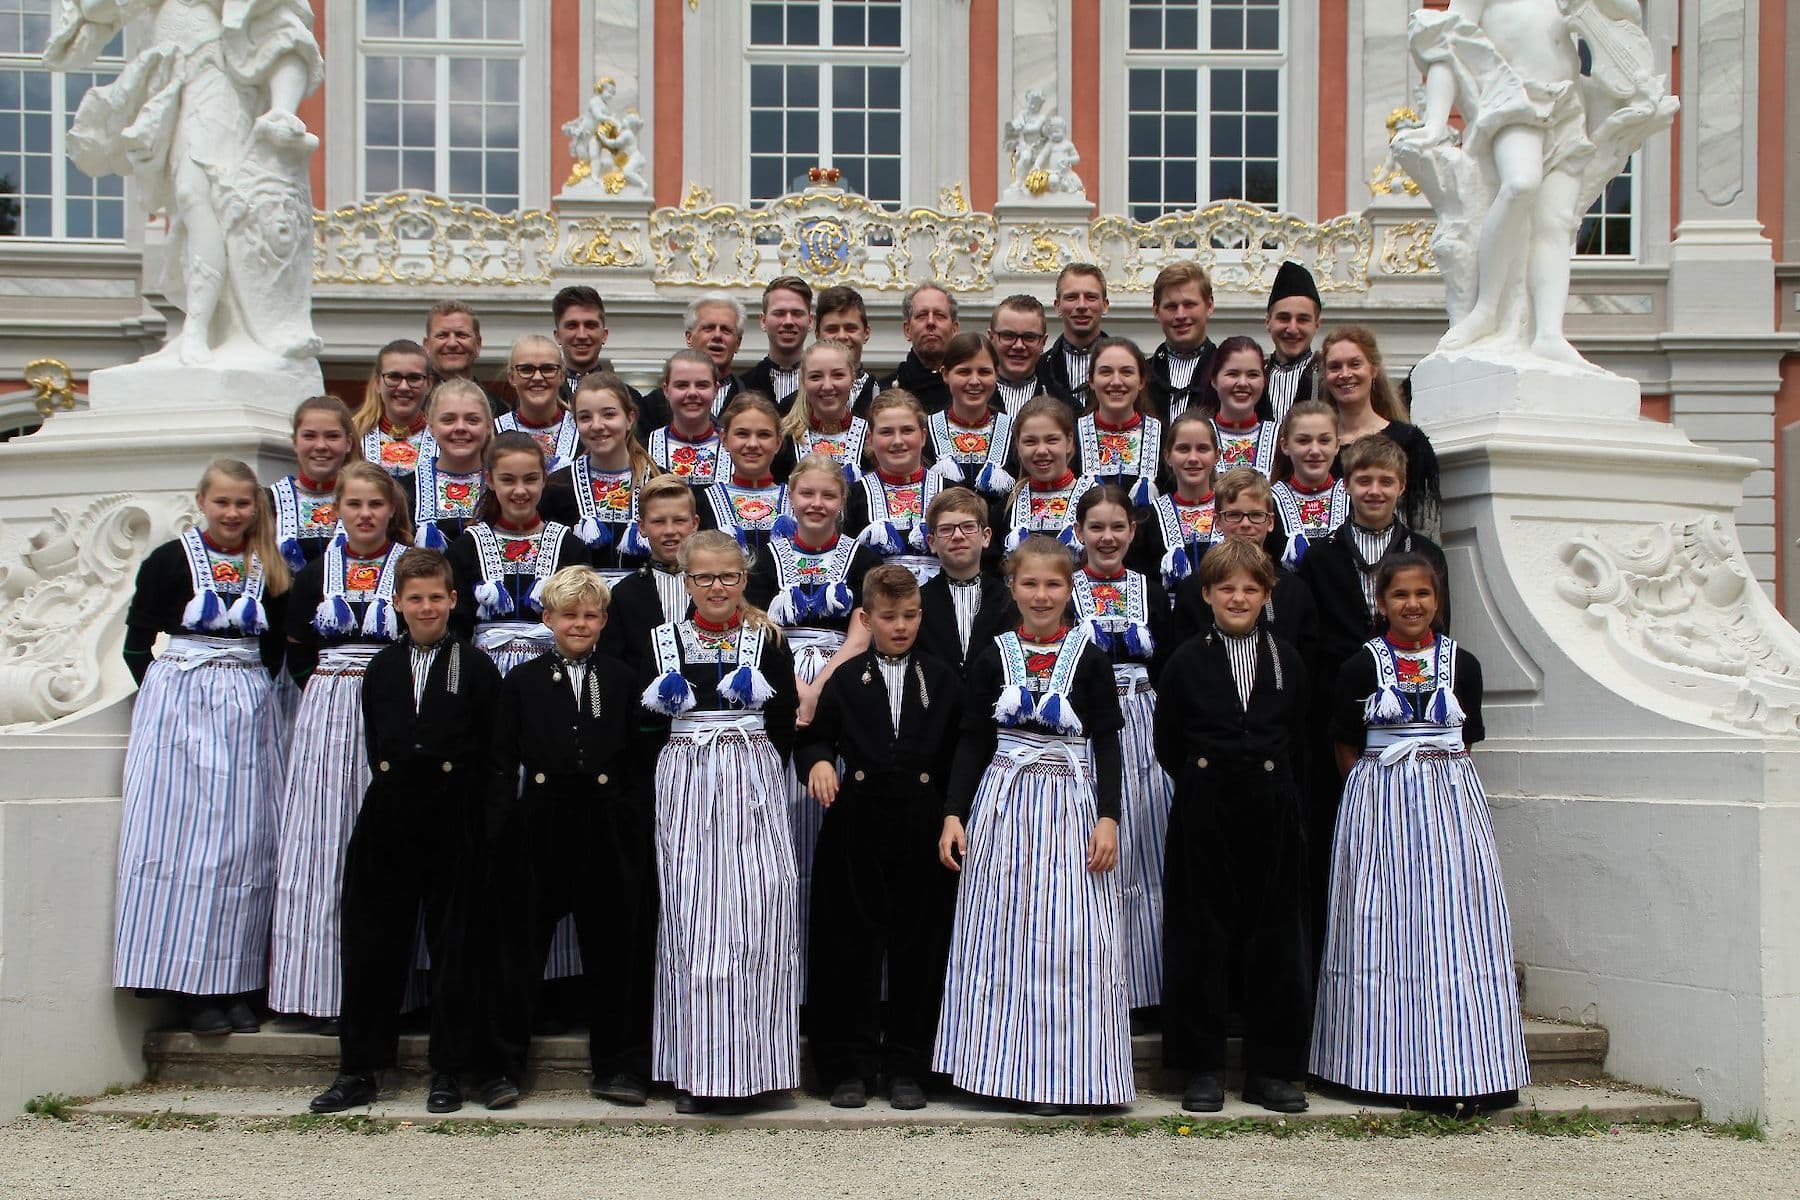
[1181, 298]
[1082, 303]
[928, 319]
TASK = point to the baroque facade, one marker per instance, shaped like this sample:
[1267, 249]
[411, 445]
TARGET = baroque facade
[866, 142]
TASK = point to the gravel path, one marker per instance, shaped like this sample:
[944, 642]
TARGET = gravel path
[100, 1157]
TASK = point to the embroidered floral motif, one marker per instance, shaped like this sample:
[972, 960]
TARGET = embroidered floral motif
[1196, 521]
[518, 550]
[612, 494]
[1051, 507]
[1039, 665]
[1117, 448]
[1109, 599]
[905, 501]
[318, 514]
[1411, 670]
[362, 576]
[809, 567]
[227, 571]
[1239, 453]
[458, 496]
[969, 442]
[752, 508]
[1315, 510]
[399, 454]
[829, 447]
[684, 459]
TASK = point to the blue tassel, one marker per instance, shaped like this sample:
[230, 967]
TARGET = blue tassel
[380, 622]
[1142, 493]
[786, 526]
[493, 600]
[742, 541]
[205, 611]
[1294, 552]
[1097, 634]
[594, 533]
[915, 538]
[1437, 712]
[950, 469]
[534, 599]
[342, 537]
[1050, 711]
[1175, 567]
[671, 695]
[1016, 537]
[291, 551]
[882, 538]
[1137, 641]
[633, 543]
[333, 616]
[852, 473]
[429, 536]
[1066, 535]
[838, 599]
[1384, 707]
[739, 687]
[994, 480]
[1014, 707]
[247, 614]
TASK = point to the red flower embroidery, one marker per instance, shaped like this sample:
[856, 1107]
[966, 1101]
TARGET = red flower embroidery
[322, 514]
[1411, 670]
[1199, 521]
[1115, 447]
[1055, 506]
[1239, 454]
[683, 460]
[614, 496]
[362, 577]
[1039, 665]
[515, 552]
[458, 493]
[753, 508]
[399, 454]
[970, 443]
[1108, 598]
[226, 571]
[1313, 510]
[904, 502]
[829, 447]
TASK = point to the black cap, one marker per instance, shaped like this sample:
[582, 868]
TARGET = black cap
[1294, 280]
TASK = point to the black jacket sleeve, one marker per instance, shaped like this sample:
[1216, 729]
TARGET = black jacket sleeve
[975, 749]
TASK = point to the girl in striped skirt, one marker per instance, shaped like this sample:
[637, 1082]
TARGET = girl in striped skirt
[502, 562]
[340, 613]
[1035, 1005]
[447, 486]
[1126, 615]
[203, 767]
[1417, 996]
[887, 505]
[597, 494]
[811, 583]
[391, 422]
[972, 439]
[727, 949]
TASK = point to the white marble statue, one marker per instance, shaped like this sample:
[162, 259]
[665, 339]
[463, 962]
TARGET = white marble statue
[608, 143]
[1057, 159]
[584, 130]
[203, 117]
[1540, 141]
[1023, 139]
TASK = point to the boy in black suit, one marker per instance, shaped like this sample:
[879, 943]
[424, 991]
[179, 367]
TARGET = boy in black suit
[428, 703]
[1244, 511]
[571, 832]
[962, 606]
[654, 595]
[891, 714]
[1230, 707]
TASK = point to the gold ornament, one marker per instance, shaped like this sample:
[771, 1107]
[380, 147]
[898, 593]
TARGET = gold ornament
[54, 384]
[952, 200]
[1037, 182]
[577, 173]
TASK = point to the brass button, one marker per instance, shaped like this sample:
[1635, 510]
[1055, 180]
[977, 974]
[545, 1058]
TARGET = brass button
[859, 777]
[448, 767]
[1200, 762]
[539, 777]
[384, 764]
[602, 781]
[924, 777]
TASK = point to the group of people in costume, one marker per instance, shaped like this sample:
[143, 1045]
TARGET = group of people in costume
[966, 720]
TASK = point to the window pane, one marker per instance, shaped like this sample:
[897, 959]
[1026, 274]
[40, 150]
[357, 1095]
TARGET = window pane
[1145, 29]
[503, 21]
[466, 20]
[803, 25]
[381, 18]
[847, 133]
[765, 24]
[418, 18]
[884, 25]
[381, 78]
[848, 21]
[884, 87]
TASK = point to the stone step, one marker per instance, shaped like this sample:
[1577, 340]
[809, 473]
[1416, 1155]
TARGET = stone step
[166, 1105]
[1558, 1053]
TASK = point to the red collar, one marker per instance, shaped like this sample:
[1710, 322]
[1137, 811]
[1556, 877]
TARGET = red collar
[827, 548]
[917, 476]
[212, 545]
[1430, 639]
[736, 619]
[1099, 578]
[413, 430]
[711, 434]
[1062, 481]
[1100, 422]
[1329, 483]
[1203, 502]
[1057, 635]
[501, 523]
[313, 485]
[524, 424]
[1222, 423]
[842, 426]
[372, 556]
[987, 418]
[767, 481]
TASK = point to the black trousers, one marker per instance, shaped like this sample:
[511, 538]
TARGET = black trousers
[570, 850]
[879, 897]
[412, 845]
[1234, 890]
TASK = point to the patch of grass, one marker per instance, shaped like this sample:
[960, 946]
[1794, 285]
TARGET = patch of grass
[1744, 1129]
[168, 1118]
[484, 1127]
[328, 1123]
[1090, 1126]
[1362, 1125]
[53, 1105]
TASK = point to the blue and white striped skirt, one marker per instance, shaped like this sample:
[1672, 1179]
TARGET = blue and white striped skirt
[1035, 1005]
[1143, 829]
[324, 791]
[203, 773]
[1417, 995]
[509, 643]
[812, 649]
[727, 949]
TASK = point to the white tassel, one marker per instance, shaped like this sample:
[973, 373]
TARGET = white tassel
[950, 469]
[669, 693]
[1175, 567]
[1294, 552]
[1384, 707]
[1014, 705]
[247, 615]
[994, 480]
[1016, 538]
[781, 608]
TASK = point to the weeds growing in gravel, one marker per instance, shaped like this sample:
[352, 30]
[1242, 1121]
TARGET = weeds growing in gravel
[1744, 1129]
[315, 1123]
[482, 1127]
[54, 1105]
[168, 1119]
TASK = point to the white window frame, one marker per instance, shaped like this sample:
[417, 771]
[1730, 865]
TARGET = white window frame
[345, 161]
[60, 116]
[1297, 136]
[934, 89]
[827, 57]
[1636, 218]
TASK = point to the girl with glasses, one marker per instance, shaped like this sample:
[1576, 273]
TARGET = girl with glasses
[391, 424]
[535, 371]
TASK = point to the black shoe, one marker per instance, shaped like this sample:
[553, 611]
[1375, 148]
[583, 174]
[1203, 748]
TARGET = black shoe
[1276, 1095]
[445, 1094]
[346, 1091]
[622, 1088]
[499, 1092]
[851, 1093]
[205, 1017]
[1205, 1093]
[294, 1023]
[1043, 1110]
[243, 1018]
[731, 1106]
[687, 1104]
[329, 1027]
[904, 1093]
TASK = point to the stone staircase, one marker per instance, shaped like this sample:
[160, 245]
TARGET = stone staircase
[271, 1075]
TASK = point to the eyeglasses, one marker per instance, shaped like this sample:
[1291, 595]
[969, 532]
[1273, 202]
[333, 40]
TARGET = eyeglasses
[1010, 337]
[708, 579]
[530, 370]
[964, 529]
[410, 378]
[1234, 517]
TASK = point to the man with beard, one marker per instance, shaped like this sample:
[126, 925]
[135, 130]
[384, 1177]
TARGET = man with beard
[928, 319]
